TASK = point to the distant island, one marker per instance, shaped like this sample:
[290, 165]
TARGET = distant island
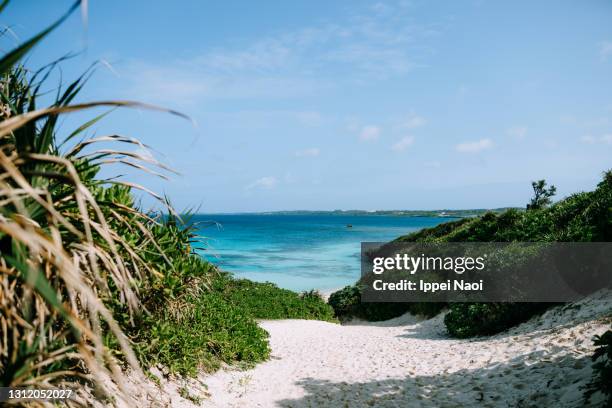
[400, 213]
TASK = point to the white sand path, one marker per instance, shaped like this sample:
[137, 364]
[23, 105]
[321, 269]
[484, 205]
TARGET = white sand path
[410, 363]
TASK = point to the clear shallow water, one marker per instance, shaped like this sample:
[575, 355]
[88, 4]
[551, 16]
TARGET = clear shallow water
[299, 252]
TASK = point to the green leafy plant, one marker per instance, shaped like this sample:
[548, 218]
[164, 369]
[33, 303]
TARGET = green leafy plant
[602, 369]
[208, 331]
[268, 301]
[541, 195]
[75, 252]
[478, 319]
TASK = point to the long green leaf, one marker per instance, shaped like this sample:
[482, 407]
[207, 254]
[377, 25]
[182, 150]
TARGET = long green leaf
[7, 62]
[34, 278]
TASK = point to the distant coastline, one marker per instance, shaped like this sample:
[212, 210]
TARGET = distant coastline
[444, 213]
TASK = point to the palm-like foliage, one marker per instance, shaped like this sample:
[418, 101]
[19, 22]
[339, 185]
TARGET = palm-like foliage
[74, 252]
[91, 284]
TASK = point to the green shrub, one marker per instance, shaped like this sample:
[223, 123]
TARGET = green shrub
[200, 333]
[347, 304]
[200, 316]
[268, 301]
[477, 319]
[602, 368]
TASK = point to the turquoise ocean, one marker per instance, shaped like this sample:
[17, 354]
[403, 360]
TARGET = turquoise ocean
[298, 252]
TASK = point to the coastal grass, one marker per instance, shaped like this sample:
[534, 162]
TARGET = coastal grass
[68, 276]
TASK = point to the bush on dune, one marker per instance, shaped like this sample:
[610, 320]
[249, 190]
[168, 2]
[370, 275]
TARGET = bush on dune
[481, 319]
[200, 333]
[581, 217]
[268, 301]
[346, 304]
[204, 317]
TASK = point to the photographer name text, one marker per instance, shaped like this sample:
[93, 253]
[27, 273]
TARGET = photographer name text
[428, 287]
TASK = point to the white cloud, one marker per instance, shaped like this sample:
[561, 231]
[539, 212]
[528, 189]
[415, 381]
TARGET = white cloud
[474, 147]
[605, 50]
[362, 44]
[380, 8]
[407, 123]
[267, 182]
[596, 122]
[403, 144]
[372, 61]
[289, 179]
[605, 139]
[189, 83]
[517, 132]
[413, 122]
[311, 152]
[369, 133]
[309, 118]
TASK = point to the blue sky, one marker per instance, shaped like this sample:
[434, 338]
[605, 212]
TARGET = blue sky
[349, 104]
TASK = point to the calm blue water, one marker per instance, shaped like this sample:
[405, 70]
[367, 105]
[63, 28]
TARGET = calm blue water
[299, 252]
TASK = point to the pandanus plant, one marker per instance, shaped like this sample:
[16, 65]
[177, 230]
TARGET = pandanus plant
[75, 252]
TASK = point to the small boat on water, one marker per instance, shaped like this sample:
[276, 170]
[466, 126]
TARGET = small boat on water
[349, 225]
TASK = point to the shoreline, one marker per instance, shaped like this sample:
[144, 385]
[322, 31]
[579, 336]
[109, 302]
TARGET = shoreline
[326, 293]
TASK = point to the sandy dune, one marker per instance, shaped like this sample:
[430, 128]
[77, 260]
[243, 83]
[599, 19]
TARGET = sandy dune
[406, 363]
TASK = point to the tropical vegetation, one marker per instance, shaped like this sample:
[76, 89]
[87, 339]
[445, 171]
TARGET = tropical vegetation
[581, 217]
[91, 284]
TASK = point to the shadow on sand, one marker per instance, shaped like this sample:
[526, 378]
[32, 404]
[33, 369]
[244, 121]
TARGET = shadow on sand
[529, 380]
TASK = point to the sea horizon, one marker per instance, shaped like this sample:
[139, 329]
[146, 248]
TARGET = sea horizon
[299, 252]
[379, 211]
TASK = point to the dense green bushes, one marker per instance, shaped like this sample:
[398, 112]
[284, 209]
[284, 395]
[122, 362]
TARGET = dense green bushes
[268, 301]
[347, 304]
[200, 316]
[474, 319]
[199, 333]
[581, 217]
